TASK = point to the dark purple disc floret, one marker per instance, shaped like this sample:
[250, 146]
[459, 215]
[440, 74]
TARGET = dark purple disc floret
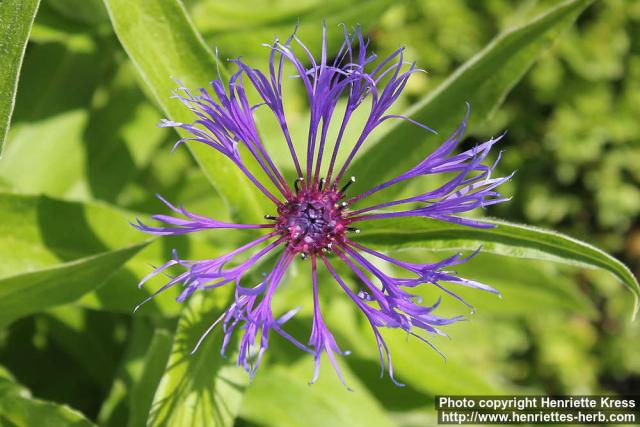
[314, 217]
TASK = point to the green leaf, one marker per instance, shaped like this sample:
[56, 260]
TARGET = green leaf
[528, 287]
[484, 81]
[241, 28]
[162, 43]
[418, 365]
[115, 409]
[508, 239]
[142, 366]
[87, 12]
[141, 397]
[5, 374]
[53, 252]
[62, 20]
[119, 294]
[414, 362]
[88, 337]
[46, 148]
[203, 388]
[18, 409]
[121, 136]
[281, 397]
[99, 136]
[16, 18]
[33, 292]
[9, 386]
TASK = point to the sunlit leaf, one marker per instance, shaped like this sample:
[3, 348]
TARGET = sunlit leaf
[19, 409]
[99, 136]
[142, 393]
[119, 293]
[142, 366]
[201, 388]
[115, 408]
[46, 151]
[162, 43]
[527, 286]
[281, 396]
[16, 18]
[53, 252]
[506, 239]
[242, 28]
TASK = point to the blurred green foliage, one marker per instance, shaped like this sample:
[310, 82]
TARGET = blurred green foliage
[573, 130]
[574, 137]
[576, 144]
[84, 130]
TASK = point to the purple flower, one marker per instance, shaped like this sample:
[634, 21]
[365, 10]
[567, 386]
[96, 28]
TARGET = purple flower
[315, 218]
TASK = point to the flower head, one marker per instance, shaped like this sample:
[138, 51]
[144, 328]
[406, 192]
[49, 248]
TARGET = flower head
[314, 217]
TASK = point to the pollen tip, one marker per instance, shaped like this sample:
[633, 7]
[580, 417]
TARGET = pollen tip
[351, 181]
[321, 184]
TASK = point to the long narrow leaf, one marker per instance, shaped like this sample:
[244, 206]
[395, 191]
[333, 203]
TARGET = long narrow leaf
[19, 409]
[507, 239]
[163, 44]
[200, 389]
[16, 18]
[53, 252]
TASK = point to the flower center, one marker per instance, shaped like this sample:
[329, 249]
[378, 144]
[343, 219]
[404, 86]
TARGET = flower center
[312, 221]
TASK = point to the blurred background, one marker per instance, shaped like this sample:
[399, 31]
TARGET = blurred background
[573, 126]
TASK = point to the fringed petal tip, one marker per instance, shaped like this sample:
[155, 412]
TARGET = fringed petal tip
[166, 123]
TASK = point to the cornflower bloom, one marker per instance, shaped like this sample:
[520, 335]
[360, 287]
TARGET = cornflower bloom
[315, 218]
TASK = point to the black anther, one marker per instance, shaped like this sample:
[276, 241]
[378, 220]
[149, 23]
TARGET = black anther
[351, 181]
[321, 184]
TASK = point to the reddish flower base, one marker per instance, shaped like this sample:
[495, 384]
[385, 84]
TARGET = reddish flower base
[313, 221]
